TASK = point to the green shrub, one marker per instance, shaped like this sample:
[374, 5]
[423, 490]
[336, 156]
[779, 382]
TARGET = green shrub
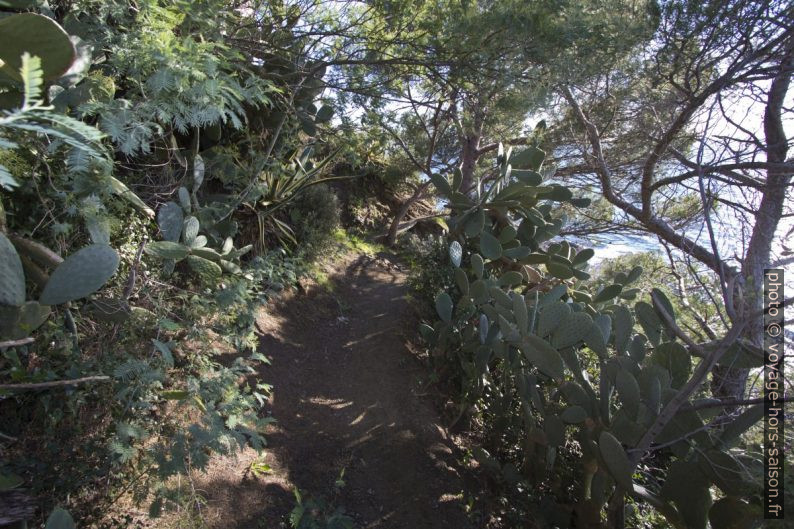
[429, 272]
[314, 215]
[587, 399]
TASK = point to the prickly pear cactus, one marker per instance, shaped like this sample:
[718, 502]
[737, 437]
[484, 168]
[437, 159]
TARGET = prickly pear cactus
[551, 363]
[208, 272]
[12, 277]
[170, 218]
[38, 36]
[80, 275]
[183, 240]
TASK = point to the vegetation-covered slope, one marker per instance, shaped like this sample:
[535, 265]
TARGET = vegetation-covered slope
[166, 167]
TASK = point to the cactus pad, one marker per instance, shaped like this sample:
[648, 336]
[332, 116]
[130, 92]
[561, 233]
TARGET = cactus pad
[12, 277]
[170, 219]
[81, 274]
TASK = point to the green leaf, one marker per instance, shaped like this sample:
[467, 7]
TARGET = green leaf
[594, 339]
[119, 188]
[551, 317]
[616, 460]
[175, 394]
[649, 321]
[32, 78]
[206, 253]
[81, 274]
[531, 178]
[168, 357]
[444, 307]
[517, 253]
[7, 181]
[207, 271]
[729, 473]
[554, 429]
[483, 328]
[490, 247]
[507, 234]
[581, 202]
[427, 332]
[12, 276]
[511, 279]
[184, 202]
[664, 302]
[572, 330]
[604, 324]
[634, 275]
[543, 356]
[520, 312]
[500, 297]
[557, 193]
[198, 172]
[462, 280]
[479, 292]
[553, 295]
[746, 420]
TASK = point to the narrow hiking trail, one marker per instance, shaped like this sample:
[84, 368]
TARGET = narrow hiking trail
[345, 397]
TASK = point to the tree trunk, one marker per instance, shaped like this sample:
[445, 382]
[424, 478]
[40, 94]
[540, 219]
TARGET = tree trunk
[468, 163]
[394, 228]
[728, 382]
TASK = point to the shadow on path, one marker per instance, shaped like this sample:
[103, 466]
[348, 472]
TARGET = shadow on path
[343, 384]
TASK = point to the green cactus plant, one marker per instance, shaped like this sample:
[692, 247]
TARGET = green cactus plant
[81, 274]
[39, 36]
[525, 328]
[12, 276]
[183, 240]
[76, 277]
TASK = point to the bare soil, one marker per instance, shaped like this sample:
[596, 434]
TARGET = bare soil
[346, 396]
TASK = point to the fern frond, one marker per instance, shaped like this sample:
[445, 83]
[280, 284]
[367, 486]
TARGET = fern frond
[32, 79]
[130, 369]
[61, 135]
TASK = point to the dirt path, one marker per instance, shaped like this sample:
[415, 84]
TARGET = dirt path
[345, 398]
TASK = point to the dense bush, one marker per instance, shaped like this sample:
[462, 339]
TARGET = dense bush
[427, 259]
[315, 216]
[128, 290]
[585, 398]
